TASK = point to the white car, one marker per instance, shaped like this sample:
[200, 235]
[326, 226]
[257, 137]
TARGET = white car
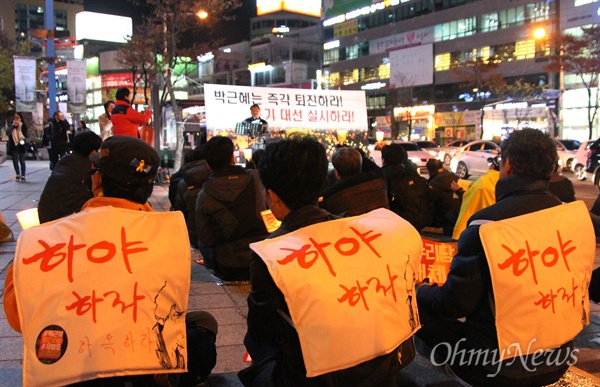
[429, 146]
[415, 154]
[566, 150]
[472, 159]
[580, 160]
[447, 151]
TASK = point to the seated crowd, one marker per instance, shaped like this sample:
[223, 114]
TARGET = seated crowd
[221, 205]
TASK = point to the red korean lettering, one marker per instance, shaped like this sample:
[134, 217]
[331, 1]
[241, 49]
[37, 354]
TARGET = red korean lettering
[108, 344]
[85, 345]
[147, 341]
[129, 341]
[546, 300]
[564, 250]
[368, 239]
[353, 295]
[126, 250]
[380, 288]
[85, 304]
[569, 298]
[49, 253]
[109, 252]
[518, 262]
[303, 253]
[117, 301]
[353, 249]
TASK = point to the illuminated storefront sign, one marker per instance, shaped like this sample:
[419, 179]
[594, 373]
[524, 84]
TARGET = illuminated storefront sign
[305, 7]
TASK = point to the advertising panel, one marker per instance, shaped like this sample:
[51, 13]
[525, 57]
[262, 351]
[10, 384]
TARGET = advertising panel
[411, 66]
[333, 8]
[76, 75]
[25, 85]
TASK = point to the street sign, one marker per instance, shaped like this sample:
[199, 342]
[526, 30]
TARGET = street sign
[550, 93]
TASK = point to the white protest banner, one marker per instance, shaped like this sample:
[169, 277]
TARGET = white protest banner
[25, 84]
[76, 77]
[349, 285]
[284, 108]
[540, 264]
[103, 293]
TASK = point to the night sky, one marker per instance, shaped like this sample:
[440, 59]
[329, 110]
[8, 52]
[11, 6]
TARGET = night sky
[232, 31]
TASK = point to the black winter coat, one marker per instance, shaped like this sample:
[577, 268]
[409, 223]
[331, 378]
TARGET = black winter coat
[67, 188]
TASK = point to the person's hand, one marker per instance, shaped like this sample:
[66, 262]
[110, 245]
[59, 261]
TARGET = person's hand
[454, 186]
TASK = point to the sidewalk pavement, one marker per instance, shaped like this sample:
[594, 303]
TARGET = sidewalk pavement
[226, 302]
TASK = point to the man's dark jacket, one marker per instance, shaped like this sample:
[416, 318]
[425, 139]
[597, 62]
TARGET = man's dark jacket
[271, 339]
[355, 195]
[468, 293]
[194, 175]
[443, 198]
[228, 219]
[67, 188]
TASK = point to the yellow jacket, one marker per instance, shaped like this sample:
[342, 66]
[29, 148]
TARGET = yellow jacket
[480, 194]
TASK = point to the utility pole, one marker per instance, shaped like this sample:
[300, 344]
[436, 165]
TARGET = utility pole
[50, 56]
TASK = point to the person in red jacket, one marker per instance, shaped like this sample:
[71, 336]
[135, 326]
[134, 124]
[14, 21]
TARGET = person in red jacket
[125, 119]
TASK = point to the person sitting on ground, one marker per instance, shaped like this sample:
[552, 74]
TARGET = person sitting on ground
[228, 213]
[408, 192]
[561, 186]
[125, 119]
[194, 174]
[479, 195]
[123, 178]
[293, 172]
[461, 316]
[446, 204]
[354, 192]
[69, 185]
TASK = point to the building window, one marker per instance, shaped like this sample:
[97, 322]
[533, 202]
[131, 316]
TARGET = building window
[376, 102]
[525, 49]
[442, 62]
[349, 77]
[331, 56]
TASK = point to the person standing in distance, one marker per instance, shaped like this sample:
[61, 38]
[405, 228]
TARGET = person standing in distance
[125, 119]
[16, 146]
[256, 119]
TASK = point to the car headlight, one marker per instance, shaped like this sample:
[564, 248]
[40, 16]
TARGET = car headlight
[433, 153]
[415, 160]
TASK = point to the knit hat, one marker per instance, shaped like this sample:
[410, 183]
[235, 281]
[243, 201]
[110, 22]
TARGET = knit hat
[127, 160]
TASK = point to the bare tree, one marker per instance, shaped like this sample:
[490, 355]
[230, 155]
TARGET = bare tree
[175, 25]
[519, 90]
[479, 76]
[580, 55]
[138, 56]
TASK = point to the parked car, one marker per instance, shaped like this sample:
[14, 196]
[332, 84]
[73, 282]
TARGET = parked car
[429, 146]
[414, 152]
[447, 151]
[592, 164]
[580, 160]
[472, 159]
[566, 150]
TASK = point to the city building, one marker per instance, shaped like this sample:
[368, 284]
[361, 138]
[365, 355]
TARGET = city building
[402, 53]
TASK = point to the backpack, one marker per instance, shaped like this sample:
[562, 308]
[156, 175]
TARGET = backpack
[409, 197]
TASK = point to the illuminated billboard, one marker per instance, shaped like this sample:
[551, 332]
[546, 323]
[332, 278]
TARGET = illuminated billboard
[102, 27]
[304, 7]
[333, 8]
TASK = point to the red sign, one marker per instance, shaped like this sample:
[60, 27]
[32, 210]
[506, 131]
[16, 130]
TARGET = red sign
[117, 80]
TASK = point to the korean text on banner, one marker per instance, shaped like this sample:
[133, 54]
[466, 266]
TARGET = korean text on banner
[347, 276]
[95, 299]
[285, 108]
[25, 85]
[540, 265]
